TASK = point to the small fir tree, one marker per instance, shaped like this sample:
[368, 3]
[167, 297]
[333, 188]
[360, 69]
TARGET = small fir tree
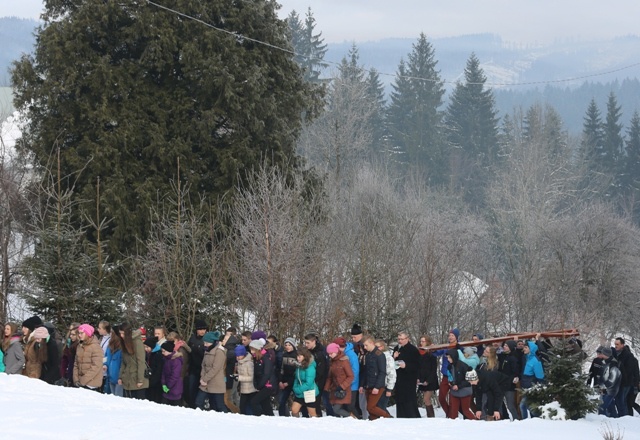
[565, 383]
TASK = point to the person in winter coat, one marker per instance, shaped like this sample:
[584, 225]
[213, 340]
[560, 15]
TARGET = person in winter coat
[287, 373]
[427, 374]
[372, 379]
[390, 379]
[355, 368]
[443, 391]
[461, 391]
[181, 346]
[264, 377]
[14, 355]
[87, 369]
[339, 380]
[132, 377]
[469, 356]
[35, 351]
[104, 335]
[609, 381]
[154, 361]
[312, 343]
[230, 342]
[114, 362]
[212, 375]
[407, 358]
[195, 362]
[305, 380]
[532, 373]
[171, 379]
[629, 369]
[490, 386]
[508, 365]
[69, 353]
[51, 368]
[244, 374]
[10, 329]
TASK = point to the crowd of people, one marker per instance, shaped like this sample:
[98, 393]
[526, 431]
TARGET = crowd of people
[251, 373]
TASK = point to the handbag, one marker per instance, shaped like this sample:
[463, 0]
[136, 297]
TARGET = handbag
[309, 396]
[147, 371]
[340, 394]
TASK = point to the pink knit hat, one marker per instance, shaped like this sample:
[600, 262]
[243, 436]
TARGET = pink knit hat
[86, 329]
[333, 348]
[41, 333]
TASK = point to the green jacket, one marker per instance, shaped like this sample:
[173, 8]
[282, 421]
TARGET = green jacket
[133, 365]
[305, 380]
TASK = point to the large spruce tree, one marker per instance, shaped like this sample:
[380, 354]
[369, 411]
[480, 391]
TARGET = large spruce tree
[472, 132]
[414, 116]
[127, 90]
[309, 46]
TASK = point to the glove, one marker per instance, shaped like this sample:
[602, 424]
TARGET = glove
[165, 389]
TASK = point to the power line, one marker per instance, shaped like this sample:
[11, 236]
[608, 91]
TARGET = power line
[238, 36]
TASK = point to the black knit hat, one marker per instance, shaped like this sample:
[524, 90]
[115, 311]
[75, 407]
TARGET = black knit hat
[168, 346]
[356, 329]
[151, 342]
[32, 323]
[201, 325]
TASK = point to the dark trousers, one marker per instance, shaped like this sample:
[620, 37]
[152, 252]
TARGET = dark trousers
[191, 391]
[261, 403]
[283, 398]
[245, 404]
[139, 394]
[166, 401]
[216, 401]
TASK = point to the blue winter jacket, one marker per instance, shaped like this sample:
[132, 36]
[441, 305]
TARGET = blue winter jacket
[113, 363]
[355, 365]
[533, 366]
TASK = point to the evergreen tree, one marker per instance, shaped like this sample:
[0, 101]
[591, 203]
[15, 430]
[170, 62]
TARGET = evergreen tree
[592, 147]
[631, 160]
[414, 116]
[308, 46]
[472, 132]
[565, 383]
[613, 143]
[375, 90]
[132, 89]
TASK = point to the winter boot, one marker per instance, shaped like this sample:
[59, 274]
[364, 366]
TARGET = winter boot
[430, 412]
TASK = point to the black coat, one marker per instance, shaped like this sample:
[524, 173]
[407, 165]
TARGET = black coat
[230, 367]
[428, 369]
[289, 365]
[264, 371]
[458, 370]
[595, 372]
[508, 365]
[375, 370]
[51, 368]
[494, 384]
[196, 344]
[322, 364]
[406, 382]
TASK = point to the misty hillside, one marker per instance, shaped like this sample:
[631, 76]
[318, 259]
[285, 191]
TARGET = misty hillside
[539, 71]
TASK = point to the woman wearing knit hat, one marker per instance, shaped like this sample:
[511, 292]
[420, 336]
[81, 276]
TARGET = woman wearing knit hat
[264, 377]
[339, 380]
[35, 351]
[87, 368]
[289, 365]
[244, 368]
[154, 361]
[212, 376]
[171, 378]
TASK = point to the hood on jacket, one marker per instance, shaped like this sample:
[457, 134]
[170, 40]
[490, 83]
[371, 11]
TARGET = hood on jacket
[533, 348]
[454, 354]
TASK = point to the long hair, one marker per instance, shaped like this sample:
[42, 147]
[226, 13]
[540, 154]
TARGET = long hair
[427, 339]
[128, 338]
[6, 340]
[307, 357]
[492, 358]
[116, 342]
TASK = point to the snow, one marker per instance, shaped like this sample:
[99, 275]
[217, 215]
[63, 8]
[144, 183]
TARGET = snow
[34, 410]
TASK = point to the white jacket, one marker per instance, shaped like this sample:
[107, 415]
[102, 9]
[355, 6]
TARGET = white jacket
[390, 380]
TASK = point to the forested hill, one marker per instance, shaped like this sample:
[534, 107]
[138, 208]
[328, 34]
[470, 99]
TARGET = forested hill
[542, 68]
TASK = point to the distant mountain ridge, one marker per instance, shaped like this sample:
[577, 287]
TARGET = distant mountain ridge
[537, 69]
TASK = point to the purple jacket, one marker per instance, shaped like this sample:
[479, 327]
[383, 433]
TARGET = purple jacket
[171, 376]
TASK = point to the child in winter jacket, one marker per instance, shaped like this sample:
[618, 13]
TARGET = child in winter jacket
[172, 384]
[244, 370]
[305, 380]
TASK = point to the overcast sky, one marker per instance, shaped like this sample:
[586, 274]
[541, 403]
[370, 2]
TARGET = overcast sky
[525, 21]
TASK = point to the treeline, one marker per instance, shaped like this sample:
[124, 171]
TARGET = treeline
[166, 183]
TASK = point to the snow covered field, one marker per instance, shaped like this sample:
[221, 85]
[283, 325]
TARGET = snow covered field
[31, 409]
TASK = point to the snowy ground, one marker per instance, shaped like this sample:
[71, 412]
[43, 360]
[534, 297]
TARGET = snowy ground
[31, 409]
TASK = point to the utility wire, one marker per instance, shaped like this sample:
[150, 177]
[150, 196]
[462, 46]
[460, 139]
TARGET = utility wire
[238, 36]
